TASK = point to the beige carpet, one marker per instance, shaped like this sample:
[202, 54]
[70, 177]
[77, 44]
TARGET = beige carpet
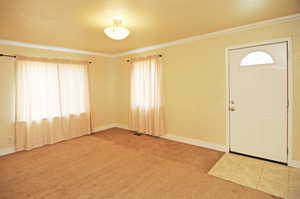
[116, 164]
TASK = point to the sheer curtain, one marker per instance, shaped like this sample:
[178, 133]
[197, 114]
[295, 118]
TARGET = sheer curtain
[146, 107]
[52, 102]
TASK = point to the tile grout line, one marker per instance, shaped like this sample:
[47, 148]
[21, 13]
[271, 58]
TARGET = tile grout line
[260, 176]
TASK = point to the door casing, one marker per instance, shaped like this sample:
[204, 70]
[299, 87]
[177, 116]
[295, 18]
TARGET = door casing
[290, 91]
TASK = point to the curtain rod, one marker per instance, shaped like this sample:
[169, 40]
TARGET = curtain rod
[14, 56]
[11, 56]
[128, 60]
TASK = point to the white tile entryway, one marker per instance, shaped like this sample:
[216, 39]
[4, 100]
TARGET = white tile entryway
[269, 177]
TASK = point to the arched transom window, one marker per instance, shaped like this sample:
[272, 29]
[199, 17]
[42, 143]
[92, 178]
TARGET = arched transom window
[257, 58]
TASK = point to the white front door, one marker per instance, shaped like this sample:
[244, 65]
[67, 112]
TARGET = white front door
[259, 101]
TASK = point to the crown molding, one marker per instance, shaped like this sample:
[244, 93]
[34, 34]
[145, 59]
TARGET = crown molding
[53, 48]
[161, 45]
[213, 34]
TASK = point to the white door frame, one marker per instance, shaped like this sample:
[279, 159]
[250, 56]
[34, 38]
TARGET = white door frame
[290, 91]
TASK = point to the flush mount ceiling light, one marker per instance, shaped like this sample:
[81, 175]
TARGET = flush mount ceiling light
[116, 31]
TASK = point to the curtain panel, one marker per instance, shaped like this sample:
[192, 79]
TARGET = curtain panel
[146, 105]
[52, 102]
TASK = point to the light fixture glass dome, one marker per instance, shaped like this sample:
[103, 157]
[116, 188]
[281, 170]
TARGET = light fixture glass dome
[116, 31]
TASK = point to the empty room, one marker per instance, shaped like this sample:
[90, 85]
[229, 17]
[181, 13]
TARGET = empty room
[139, 99]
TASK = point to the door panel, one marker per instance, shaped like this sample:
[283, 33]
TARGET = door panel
[258, 93]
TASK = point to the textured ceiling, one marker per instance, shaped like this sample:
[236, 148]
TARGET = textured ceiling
[79, 24]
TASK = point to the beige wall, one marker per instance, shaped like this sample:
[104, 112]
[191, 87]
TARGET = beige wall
[194, 85]
[194, 78]
[102, 86]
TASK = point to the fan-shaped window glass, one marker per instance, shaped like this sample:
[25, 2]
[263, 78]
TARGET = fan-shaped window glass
[257, 58]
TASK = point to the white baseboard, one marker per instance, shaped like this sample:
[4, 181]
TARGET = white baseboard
[294, 163]
[195, 142]
[5, 151]
[105, 127]
[122, 126]
[185, 140]
[8, 150]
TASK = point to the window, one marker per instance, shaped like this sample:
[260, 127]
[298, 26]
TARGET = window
[145, 83]
[48, 90]
[52, 101]
[146, 111]
[257, 58]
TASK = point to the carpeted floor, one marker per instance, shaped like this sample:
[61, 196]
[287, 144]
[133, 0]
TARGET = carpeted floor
[116, 164]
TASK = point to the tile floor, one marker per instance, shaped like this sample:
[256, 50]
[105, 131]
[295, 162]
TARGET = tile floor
[273, 178]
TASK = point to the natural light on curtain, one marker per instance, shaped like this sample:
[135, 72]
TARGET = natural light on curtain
[52, 102]
[146, 110]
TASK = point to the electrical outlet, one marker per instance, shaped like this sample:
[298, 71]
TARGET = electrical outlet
[10, 140]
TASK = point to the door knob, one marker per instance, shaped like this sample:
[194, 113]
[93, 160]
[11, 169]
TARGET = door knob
[231, 109]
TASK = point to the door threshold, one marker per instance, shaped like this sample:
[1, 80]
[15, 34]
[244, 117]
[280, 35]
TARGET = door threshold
[274, 161]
